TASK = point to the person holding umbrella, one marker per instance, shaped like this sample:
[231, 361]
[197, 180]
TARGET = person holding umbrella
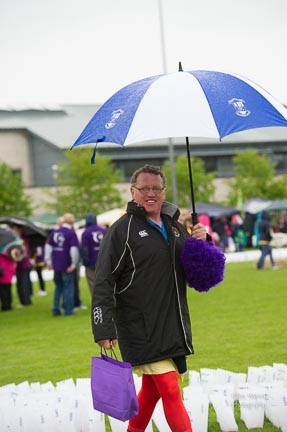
[139, 297]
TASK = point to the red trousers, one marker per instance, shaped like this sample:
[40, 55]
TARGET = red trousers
[166, 387]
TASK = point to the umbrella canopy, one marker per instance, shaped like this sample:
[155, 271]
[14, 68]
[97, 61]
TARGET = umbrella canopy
[214, 210]
[256, 205]
[105, 219]
[186, 104]
[6, 237]
[11, 245]
[46, 221]
[183, 104]
[278, 204]
[110, 216]
[36, 234]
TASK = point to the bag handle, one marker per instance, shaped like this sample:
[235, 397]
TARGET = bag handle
[112, 352]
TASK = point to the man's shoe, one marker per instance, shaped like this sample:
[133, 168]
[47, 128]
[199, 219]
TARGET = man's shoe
[81, 307]
[42, 293]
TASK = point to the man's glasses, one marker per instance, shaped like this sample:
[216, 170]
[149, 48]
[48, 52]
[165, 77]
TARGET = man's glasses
[145, 189]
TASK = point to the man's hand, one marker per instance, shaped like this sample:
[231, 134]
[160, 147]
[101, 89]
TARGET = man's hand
[70, 269]
[198, 232]
[107, 343]
[49, 267]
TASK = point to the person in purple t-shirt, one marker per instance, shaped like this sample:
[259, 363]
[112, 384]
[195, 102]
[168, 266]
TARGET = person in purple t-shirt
[62, 255]
[91, 240]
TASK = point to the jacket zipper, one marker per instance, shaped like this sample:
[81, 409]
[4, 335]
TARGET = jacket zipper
[178, 298]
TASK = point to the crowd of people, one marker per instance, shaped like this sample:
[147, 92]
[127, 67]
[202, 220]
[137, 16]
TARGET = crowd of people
[64, 251]
[233, 233]
[138, 282]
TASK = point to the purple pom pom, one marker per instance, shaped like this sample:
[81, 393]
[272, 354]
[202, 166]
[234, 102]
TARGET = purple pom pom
[203, 264]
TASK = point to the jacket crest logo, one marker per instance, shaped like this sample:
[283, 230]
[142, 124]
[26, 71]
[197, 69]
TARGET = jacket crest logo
[98, 315]
[175, 232]
[143, 233]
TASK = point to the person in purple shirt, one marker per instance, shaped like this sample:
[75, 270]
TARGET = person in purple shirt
[62, 255]
[91, 240]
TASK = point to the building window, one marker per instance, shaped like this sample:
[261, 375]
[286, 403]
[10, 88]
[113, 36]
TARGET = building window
[18, 172]
[127, 167]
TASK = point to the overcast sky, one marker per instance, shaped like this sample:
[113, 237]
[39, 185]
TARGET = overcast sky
[82, 51]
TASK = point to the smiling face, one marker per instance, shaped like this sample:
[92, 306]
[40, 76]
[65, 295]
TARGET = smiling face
[150, 200]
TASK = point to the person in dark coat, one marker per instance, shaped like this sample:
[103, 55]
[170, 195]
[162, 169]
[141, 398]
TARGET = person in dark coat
[90, 245]
[23, 270]
[139, 297]
[39, 265]
[265, 237]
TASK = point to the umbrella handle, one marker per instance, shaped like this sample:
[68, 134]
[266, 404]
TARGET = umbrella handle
[193, 214]
[194, 218]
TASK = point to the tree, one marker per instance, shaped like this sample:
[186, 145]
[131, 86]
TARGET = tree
[86, 188]
[13, 200]
[202, 182]
[255, 177]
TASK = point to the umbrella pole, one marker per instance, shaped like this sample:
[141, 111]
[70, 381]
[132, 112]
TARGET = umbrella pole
[193, 214]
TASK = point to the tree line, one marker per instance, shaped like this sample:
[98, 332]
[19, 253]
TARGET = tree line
[87, 188]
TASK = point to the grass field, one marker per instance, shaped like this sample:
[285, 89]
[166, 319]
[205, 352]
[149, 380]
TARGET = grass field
[240, 323]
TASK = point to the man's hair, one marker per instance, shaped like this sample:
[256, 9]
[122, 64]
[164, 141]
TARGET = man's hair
[148, 169]
[68, 218]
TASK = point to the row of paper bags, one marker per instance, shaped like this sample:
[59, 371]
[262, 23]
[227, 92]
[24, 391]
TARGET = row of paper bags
[261, 394]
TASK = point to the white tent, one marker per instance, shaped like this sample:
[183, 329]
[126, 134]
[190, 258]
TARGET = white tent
[109, 217]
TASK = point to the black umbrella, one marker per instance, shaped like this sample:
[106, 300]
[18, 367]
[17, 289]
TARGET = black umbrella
[11, 245]
[6, 237]
[37, 236]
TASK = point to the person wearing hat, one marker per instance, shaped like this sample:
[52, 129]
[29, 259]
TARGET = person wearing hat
[90, 245]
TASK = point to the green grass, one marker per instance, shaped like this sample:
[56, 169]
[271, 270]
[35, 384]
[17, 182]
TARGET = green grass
[240, 323]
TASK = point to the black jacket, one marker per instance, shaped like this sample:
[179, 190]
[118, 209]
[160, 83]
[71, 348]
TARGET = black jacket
[139, 293]
[264, 228]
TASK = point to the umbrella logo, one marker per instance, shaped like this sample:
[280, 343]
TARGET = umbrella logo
[239, 107]
[114, 118]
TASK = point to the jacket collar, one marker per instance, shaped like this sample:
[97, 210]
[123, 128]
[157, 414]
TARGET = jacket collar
[167, 209]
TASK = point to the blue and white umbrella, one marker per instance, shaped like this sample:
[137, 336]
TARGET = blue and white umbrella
[197, 104]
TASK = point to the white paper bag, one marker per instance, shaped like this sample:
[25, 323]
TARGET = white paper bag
[208, 378]
[222, 399]
[252, 403]
[197, 404]
[96, 421]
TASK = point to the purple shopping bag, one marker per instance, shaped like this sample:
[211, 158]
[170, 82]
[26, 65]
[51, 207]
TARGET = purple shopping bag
[113, 388]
